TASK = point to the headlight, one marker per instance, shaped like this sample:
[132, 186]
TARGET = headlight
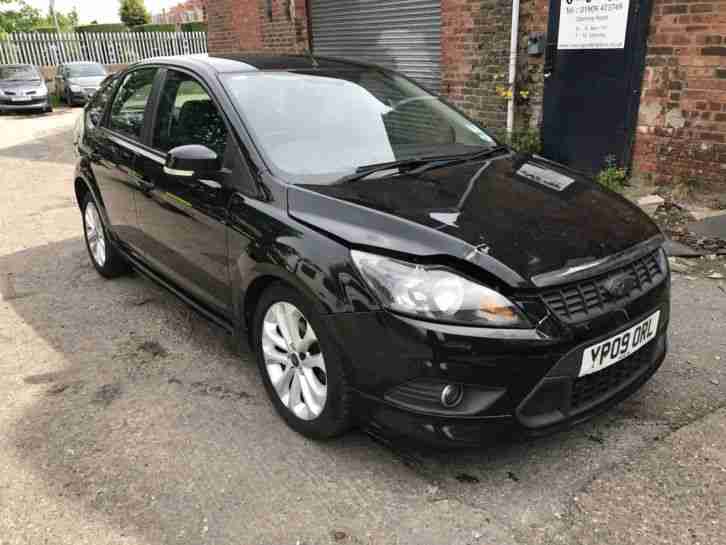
[41, 92]
[76, 88]
[436, 293]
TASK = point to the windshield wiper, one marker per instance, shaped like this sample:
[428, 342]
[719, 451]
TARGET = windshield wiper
[436, 163]
[488, 152]
[402, 165]
[417, 165]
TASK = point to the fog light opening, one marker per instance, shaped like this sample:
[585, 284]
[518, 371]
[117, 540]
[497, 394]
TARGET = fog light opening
[451, 395]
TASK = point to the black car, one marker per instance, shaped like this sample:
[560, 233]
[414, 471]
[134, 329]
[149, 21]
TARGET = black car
[386, 258]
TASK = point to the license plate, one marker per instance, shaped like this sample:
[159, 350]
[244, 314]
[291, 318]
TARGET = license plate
[620, 346]
[20, 99]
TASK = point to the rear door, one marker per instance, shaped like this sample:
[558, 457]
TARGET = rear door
[118, 145]
[183, 220]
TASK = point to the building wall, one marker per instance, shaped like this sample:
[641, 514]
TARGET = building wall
[475, 60]
[278, 26]
[183, 12]
[681, 133]
[475, 48]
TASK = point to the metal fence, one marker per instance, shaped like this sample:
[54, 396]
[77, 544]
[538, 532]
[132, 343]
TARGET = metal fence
[107, 48]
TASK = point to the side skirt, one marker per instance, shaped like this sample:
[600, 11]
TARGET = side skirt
[225, 324]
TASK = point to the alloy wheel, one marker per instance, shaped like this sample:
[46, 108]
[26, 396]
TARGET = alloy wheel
[95, 235]
[294, 360]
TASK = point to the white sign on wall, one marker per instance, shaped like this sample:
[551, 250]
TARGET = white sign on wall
[593, 24]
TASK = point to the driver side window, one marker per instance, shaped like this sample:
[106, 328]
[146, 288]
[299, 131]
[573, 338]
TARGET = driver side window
[127, 110]
[188, 115]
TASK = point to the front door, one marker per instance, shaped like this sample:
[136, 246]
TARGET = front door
[593, 72]
[114, 161]
[183, 220]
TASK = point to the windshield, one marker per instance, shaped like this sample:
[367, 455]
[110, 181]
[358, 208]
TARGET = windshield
[318, 126]
[86, 70]
[19, 73]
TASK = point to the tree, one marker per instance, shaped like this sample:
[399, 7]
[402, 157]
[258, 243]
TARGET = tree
[19, 18]
[133, 13]
[23, 18]
[67, 21]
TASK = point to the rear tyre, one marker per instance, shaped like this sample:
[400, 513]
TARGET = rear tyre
[105, 258]
[300, 364]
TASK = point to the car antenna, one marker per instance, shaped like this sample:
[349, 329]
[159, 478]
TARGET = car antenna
[312, 58]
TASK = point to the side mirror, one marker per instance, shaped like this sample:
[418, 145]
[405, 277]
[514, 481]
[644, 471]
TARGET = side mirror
[192, 160]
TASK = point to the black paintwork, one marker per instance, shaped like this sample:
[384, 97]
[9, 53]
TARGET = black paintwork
[218, 243]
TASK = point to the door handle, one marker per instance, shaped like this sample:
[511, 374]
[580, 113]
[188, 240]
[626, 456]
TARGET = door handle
[211, 184]
[144, 185]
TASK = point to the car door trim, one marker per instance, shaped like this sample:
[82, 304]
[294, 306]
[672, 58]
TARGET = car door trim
[138, 264]
[134, 147]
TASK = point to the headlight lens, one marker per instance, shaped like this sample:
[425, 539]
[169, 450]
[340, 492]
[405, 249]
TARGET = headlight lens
[76, 88]
[436, 293]
[41, 92]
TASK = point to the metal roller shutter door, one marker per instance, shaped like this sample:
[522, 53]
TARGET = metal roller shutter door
[401, 34]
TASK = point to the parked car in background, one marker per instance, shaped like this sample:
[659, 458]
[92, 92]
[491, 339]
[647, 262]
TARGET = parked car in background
[386, 258]
[76, 82]
[22, 88]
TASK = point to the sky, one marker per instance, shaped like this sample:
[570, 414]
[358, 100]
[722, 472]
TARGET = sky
[104, 11]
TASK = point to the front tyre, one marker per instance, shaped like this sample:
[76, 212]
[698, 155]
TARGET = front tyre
[300, 365]
[105, 258]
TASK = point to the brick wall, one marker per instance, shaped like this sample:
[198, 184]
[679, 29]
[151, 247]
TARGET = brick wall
[475, 59]
[681, 133]
[475, 49]
[276, 26]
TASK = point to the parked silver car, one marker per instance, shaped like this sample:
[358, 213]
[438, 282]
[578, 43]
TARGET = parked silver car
[76, 82]
[22, 88]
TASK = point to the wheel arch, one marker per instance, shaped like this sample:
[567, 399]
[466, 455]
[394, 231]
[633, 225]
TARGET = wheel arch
[83, 186]
[81, 189]
[266, 277]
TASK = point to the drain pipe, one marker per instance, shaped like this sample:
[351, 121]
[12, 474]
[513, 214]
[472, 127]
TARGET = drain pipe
[512, 64]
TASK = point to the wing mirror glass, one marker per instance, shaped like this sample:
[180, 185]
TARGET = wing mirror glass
[192, 161]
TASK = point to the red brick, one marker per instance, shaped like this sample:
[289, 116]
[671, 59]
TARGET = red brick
[685, 68]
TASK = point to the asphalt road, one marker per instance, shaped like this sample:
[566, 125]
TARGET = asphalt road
[125, 418]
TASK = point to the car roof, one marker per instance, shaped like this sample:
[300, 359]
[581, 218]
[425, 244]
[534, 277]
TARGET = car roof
[242, 62]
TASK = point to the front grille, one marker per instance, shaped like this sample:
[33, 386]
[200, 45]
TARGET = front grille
[33, 102]
[591, 388]
[589, 298]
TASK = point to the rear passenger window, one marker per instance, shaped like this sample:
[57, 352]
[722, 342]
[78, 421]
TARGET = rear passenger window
[187, 115]
[127, 110]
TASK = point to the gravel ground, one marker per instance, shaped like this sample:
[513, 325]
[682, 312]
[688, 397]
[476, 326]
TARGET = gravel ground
[125, 418]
